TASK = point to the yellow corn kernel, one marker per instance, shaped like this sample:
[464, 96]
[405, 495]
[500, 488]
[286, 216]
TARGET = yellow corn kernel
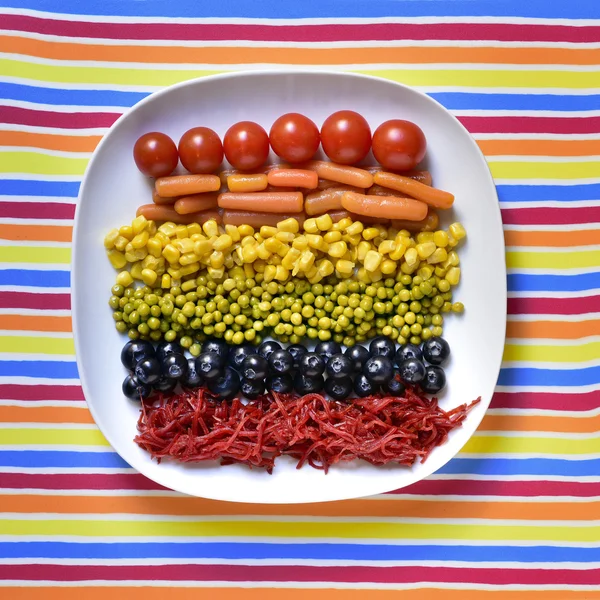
[371, 233]
[139, 224]
[457, 231]
[272, 244]
[181, 232]
[171, 254]
[290, 225]
[127, 232]
[193, 229]
[440, 238]
[383, 232]
[189, 269]
[324, 222]
[300, 243]
[210, 228]
[248, 241]
[174, 272]
[312, 272]
[124, 278]
[223, 242]
[285, 236]
[440, 271]
[398, 253]
[188, 286]
[363, 275]
[202, 248]
[344, 223]
[388, 267]
[228, 264]
[269, 273]
[337, 249]
[249, 253]
[245, 230]
[165, 281]
[332, 236]
[283, 250]
[425, 249]
[387, 246]
[184, 245]
[117, 259]
[411, 257]
[376, 276]
[426, 271]
[151, 228]
[259, 266]
[121, 243]
[352, 253]
[424, 236]
[275, 259]
[188, 259]
[363, 247]
[453, 275]
[290, 258]
[281, 274]
[306, 261]
[154, 247]
[440, 255]
[326, 268]
[312, 279]
[149, 276]
[355, 228]
[168, 228]
[217, 259]
[150, 262]
[133, 254]
[216, 274]
[345, 267]
[310, 226]
[408, 269]
[453, 258]
[136, 270]
[109, 239]
[336, 227]
[249, 271]
[162, 238]
[262, 252]
[353, 240]
[233, 232]
[314, 241]
[392, 233]
[372, 260]
[259, 238]
[267, 231]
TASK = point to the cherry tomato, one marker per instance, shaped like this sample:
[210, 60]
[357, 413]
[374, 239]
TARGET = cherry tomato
[346, 137]
[399, 145]
[201, 150]
[294, 138]
[246, 145]
[155, 154]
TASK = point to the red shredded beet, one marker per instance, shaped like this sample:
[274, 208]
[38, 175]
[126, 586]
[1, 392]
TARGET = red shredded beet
[192, 426]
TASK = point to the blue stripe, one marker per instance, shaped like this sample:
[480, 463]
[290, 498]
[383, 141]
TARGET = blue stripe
[265, 551]
[545, 193]
[32, 187]
[56, 458]
[25, 277]
[521, 466]
[467, 101]
[550, 377]
[553, 283]
[583, 9]
[38, 368]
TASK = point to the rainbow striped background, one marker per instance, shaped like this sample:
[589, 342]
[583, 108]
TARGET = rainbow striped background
[515, 515]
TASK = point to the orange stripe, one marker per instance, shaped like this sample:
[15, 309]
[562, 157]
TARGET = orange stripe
[552, 329]
[187, 506]
[44, 414]
[540, 147]
[35, 323]
[588, 237]
[37, 233]
[66, 143]
[231, 55]
[536, 423]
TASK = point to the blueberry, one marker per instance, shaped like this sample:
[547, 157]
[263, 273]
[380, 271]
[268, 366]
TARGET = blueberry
[408, 351]
[281, 384]
[192, 379]
[227, 386]
[434, 380]
[359, 355]
[338, 389]
[219, 347]
[267, 348]
[297, 350]
[238, 354]
[304, 384]
[394, 387]
[134, 351]
[328, 349]
[175, 366]
[382, 346]
[255, 367]
[148, 370]
[311, 364]
[209, 366]
[411, 371]
[436, 350]
[281, 361]
[165, 348]
[364, 387]
[252, 389]
[339, 366]
[165, 385]
[135, 389]
[379, 369]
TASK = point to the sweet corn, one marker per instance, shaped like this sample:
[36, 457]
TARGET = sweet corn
[425, 249]
[290, 258]
[272, 244]
[355, 228]
[337, 249]
[184, 245]
[285, 236]
[188, 286]
[194, 229]
[139, 224]
[363, 275]
[181, 232]
[164, 239]
[324, 222]
[210, 228]
[223, 242]
[353, 240]
[457, 231]
[325, 268]
[149, 276]
[124, 278]
[266, 231]
[440, 238]
[168, 228]
[216, 274]
[283, 250]
[269, 274]
[165, 281]
[453, 258]
[202, 248]
[425, 272]
[233, 232]
[290, 225]
[300, 243]
[154, 247]
[136, 270]
[411, 257]
[281, 273]
[371, 233]
[171, 254]
[109, 239]
[345, 267]
[245, 230]
[310, 226]
[440, 255]
[217, 259]
[121, 243]
[117, 259]
[151, 228]
[398, 252]
[262, 252]
[250, 253]
[127, 232]
[332, 236]
[363, 248]
[453, 275]
[306, 261]
[372, 260]
[388, 267]
[387, 246]
[314, 241]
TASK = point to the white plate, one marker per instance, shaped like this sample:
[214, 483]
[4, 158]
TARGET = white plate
[113, 188]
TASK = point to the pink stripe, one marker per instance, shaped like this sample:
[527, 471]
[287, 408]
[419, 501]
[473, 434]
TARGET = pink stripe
[35, 301]
[550, 215]
[41, 392]
[531, 124]
[546, 401]
[45, 118]
[554, 306]
[77, 481]
[37, 210]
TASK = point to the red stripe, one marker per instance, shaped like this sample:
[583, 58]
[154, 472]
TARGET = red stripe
[37, 210]
[553, 306]
[464, 487]
[281, 573]
[41, 392]
[35, 301]
[531, 124]
[550, 216]
[303, 33]
[46, 118]
[77, 481]
[546, 401]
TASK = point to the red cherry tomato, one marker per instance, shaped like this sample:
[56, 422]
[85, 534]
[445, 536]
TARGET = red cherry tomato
[155, 154]
[246, 145]
[346, 137]
[399, 145]
[294, 138]
[201, 150]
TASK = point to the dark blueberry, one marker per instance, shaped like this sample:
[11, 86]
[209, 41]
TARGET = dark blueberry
[134, 351]
[411, 371]
[255, 367]
[238, 354]
[359, 355]
[227, 386]
[252, 389]
[297, 350]
[267, 348]
[328, 349]
[192, 379]
[408, 351]
[382, 346]
[219, 347]
[281, 384]
[209, 366]
[148, 370]
[338, 389]
[436, 350]
[364, 387]
[281, 362]
[339, 366]
[379, 369]
[434, 380]
[175, 366]
[311, 364]
[308, 385]
[165, 348]
[165, 385]
[134, 389]
[394, 387]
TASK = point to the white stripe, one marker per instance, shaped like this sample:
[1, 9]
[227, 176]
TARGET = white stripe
[545, 271]
[53, 199]
[35, 356]
[566, 204]
[30, 221]
[49, 426]
[63, 108]
[561, 137]
[14, 380]
[584, 341]
[567, 181]
[520, 477]
[35, 311]
[591, 294]
[523, 113]
[561, 227]
[36, 334]
[33, 290]
[38, 176]
[36, 266]
[557, 250]
[570, 389]
[557, 435]
[541, 412]
[67, 470]
[529, 158]
[33, 244]
[33, 404]
[550, 365]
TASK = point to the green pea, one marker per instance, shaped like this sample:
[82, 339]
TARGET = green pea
[121, 326]
[426, 334]
[220, 327]
[258, 325]
[320, 302]
[458, 307]
[324, 335]
[349, 312]
[237, 338]
[415, 339]
[272, 320]
[124, 302]
[133, 334]
[354, 301]
[143, 328]
[379, 308]
[437, 331]
[250, 334]
[437, 319]
[113, 302]
[155, 310]
[329, 306]
[420, 319]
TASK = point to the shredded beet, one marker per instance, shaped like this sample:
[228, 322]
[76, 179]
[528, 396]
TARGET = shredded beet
[192, 426]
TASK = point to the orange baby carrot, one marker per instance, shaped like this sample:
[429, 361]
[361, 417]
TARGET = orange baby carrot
[258, 219]
[241, 182]
[154, 212]
[422, 176]
[272, 202]
[298, 178]
[378, 190]
[184, 185]
[338, 215]
[196, 203]
[385, 207]
[160, 200]
[323, 201]
[341, 173]
[429, 223]
[415, 189]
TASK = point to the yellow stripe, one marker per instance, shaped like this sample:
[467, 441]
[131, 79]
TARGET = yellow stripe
[535, 445]
[41, 164]
[552, 260]
[544, 170]
[52, 437]
[28, 254]
[338, 529]
[575, 353]
[36, 345]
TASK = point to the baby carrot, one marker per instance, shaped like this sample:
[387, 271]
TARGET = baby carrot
[184, 185]
[323, 201]
[241, 182]
[298, 178]
[338, 215]
[258, 219]
[154, 212]
[160, 200]
[341, 173]
[415, 189]
[196, 203]
[385, 207]
[422, 176]
[272, 202]
[378, 190]
[429, 223]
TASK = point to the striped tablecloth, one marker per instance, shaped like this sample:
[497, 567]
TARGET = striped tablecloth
[517, 511]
